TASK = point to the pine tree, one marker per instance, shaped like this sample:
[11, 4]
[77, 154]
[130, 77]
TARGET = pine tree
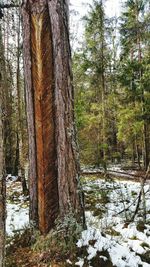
[95, 84]
[133, 28]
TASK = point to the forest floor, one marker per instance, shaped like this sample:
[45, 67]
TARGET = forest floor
[111, 237]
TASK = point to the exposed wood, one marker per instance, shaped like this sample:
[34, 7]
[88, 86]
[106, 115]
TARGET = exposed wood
[43, 89]
[49, 90]
[41, 117]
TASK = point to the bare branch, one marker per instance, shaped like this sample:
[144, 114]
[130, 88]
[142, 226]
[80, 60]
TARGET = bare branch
[2, 6]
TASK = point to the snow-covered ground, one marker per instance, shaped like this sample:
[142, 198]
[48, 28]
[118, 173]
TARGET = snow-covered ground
[16, 206]
[110, 234]
[114, 170]
[109, 227]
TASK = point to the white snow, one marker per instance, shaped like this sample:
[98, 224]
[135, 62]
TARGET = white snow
[126, 246]
[80, 263]
[17, 216]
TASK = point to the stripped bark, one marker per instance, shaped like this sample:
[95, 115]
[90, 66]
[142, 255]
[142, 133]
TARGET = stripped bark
[50, 110]
[42, 80]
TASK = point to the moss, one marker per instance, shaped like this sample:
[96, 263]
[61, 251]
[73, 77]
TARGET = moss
[98, 212]
[21, 239]
[112, 232]
[60, 243]
[30, 248]
[145, 257]
[99, 262]
[133, 238]
[133, 193]
[145, 245]
[82, 252]
[141, 226]
[14, 197]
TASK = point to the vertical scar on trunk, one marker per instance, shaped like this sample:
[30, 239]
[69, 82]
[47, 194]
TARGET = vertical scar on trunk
[43, 91]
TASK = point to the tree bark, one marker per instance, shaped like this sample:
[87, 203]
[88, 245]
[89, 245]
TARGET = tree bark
[8, 104]
[20, 127]
[50, 112]
[67, 164]
[2, 180]
[30, 117]
[2, 199]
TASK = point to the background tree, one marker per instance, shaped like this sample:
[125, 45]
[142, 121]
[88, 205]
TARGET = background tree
[2, 181]
[95, 83]
[15, 133]
[112, 86]
[134, 27]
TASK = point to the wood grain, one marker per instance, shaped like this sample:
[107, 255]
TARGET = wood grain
[42, 78]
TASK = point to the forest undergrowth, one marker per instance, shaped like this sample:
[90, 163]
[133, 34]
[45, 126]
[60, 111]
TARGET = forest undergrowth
[112, 238]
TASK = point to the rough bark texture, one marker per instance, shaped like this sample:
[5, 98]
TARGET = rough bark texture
[2, 183]
[64, 108]
[30, 117]
[53, 156]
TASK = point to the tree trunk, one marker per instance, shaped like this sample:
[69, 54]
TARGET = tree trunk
[2, 181]
[146, 146]
[2, 197]
[50, 111]
[20, 129]
[67, 163]
[145, 123]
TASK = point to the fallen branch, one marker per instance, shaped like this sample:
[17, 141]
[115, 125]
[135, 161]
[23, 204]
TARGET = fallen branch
[111, 172]
[141, 193]
[2, 6]
[126, 209]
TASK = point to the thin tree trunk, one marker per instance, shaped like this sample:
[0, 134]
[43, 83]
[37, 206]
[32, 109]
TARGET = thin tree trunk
[2, 181]
[8, 124]
[145, 124]
[20, 140]
[137, 153]
[2, 195]
[146, 146]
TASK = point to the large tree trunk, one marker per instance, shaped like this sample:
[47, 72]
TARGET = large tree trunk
[48, 78]
[67, 163]
[30, 118]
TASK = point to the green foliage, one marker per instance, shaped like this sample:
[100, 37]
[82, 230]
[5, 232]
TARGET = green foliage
[62, 239]
[94, 105]
[112, 96]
